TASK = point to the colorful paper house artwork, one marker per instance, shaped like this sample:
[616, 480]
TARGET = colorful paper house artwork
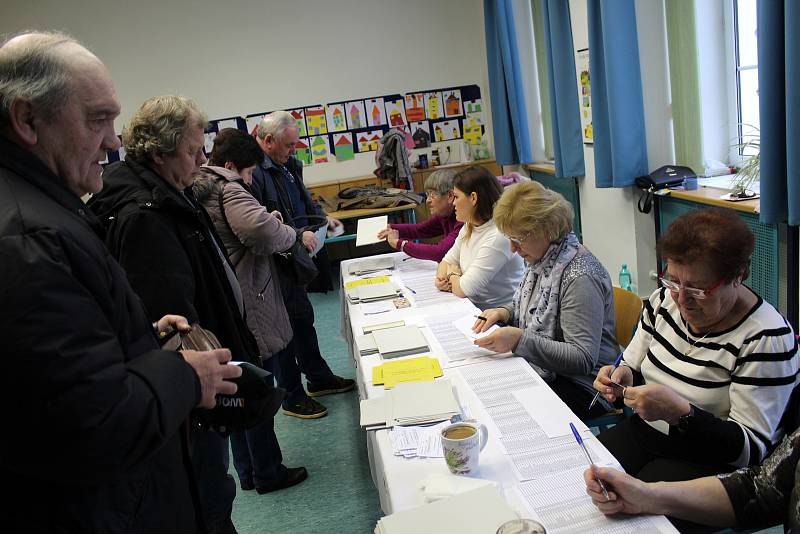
[408, 140]
[447, 130]
[473, 106]
[434, 107]
[395, 112]
[376, 115]
[355, 114]
[343, 146]
[252, 122]
[315, 120]
[335, 113]
[452, 103]
[300, 117]
[473, 131]
[302, 151]
[319, 149]
[421, 134]
[362, 139]
[374, 139]
[415, 107]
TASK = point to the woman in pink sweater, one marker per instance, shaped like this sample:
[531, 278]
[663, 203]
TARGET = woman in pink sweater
[439, 189]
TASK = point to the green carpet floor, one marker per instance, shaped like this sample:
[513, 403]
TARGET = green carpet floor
[339, 495]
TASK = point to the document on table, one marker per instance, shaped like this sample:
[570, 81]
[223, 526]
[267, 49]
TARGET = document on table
[493, 382]
[455, 343]
[549, 411]
[464, 325]
[368, 228]
[560, 503]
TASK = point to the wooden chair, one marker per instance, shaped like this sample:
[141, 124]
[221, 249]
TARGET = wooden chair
[627, 310]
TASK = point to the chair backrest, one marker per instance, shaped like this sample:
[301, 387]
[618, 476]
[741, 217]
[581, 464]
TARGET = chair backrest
[627, 308]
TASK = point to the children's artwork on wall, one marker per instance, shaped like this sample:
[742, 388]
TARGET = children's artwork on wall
[446, 131]
[395, 112]
[415, 107]
[300, 118]
[452, 103]
[252, 122]
[315, 121]
[362, 141]
[208, 142]
[434, 107]
[473, 106]
[473, 131]
[302, 151]
[374, 139]
[320, 149]
[585, 94]
[335, 114]
[376, 115]
[356, 116]
[408, 140]
[227, 123]
[343, 146]
[421, 134]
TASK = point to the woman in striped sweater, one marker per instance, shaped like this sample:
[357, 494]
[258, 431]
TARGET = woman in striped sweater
[711, 368]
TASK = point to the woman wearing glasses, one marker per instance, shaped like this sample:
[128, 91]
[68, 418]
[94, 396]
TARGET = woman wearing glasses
[442, 222]
[711, 367]
[561, 319]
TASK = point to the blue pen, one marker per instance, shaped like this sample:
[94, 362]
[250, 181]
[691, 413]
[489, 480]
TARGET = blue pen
[586, 452]
[411, 290]
[597, 395]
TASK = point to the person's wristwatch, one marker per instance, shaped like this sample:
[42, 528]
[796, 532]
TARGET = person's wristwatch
[450, 275]
[685, 420]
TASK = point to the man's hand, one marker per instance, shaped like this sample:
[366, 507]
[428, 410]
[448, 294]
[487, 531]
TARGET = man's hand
[214, 373]
[607, 375]
[178, 322]
[626, 494]
[490, 317]
[333, 224]
[503, 339]
[654, 402]
[310, 240]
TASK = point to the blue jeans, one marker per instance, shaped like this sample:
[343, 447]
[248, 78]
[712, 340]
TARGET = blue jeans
[216, 487]
[257, 454]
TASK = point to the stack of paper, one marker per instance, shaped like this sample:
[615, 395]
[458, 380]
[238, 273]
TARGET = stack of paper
[410, 403]
[371, 265]
[372, 292]
[366, 345]
[370, 328]
[475, 512]
[418, 441]
[366, 281]
[400, 341]
[422, 369]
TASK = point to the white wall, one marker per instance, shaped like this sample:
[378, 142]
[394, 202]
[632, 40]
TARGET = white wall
[239, 57]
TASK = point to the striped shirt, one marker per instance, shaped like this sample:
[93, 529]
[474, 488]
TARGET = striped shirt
[743, 375]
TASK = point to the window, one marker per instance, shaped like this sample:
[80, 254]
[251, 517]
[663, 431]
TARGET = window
[746, 69]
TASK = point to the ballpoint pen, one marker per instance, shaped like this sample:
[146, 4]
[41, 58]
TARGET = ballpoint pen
[411, 290]
[586, 452]
[597, 395]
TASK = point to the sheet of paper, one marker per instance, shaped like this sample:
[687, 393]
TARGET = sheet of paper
[368, 229]
[366, 281]
[320, 234]
[455, 343]
[556, 418]
[374, 308]
[494, 381]
[464, 325]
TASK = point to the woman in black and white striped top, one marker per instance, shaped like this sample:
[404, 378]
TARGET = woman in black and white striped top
[718, 363]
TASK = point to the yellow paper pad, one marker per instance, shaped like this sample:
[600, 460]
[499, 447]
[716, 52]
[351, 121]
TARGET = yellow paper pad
[366, 281]
[420, 369]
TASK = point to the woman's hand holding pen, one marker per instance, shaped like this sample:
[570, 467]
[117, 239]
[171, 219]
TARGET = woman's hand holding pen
[611, 381]
[489, 317]
[626, 494]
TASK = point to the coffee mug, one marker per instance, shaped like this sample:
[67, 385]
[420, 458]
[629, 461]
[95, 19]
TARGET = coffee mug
[462, 443]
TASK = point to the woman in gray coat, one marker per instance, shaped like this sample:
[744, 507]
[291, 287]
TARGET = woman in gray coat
[251, 236]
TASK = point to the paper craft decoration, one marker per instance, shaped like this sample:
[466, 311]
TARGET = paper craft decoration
[446, 131]
[335, 114]
[434, 107]
[343, 145]
[376, 115]
[421, 134]
[363, 141]
[356, 116]
[395, 112]
[302, 151]
[300, 117]
[315, 120]
[585, 94]
[320, 149]
[452, 103]
[252, 123]
[473, 106]
[227, 123]
[473, 131]
[415, 107]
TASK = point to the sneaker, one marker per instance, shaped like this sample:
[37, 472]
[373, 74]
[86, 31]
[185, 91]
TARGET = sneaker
[336, 384]
[305, 408]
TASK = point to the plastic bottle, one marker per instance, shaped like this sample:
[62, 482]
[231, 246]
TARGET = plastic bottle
[625, 277]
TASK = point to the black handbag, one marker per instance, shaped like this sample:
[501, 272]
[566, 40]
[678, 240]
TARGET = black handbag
[295, 265]
[661, 178]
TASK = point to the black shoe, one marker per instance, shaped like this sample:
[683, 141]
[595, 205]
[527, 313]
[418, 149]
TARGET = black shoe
[247, 485]
[294, 476]
[337, 384]
[305, 408]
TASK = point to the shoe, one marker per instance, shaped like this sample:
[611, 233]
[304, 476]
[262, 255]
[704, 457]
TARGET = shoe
[305, 408]
[337, 384]
[294, 476]
[247, 485]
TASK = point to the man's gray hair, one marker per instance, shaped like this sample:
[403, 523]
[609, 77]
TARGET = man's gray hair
[159, 126]
[440, 181]
[275, 123]
[35, 70]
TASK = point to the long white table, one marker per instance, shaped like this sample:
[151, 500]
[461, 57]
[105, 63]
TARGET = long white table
[547, 484]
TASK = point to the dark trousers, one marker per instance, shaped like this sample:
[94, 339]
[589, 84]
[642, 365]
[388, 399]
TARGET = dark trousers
[577, 398]
[257, 454]
[302, 354]
[216, 487]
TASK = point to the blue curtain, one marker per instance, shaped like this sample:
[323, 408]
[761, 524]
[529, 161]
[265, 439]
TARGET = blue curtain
[779, 107]
[564, 107]
[512, 142]
[620, 144]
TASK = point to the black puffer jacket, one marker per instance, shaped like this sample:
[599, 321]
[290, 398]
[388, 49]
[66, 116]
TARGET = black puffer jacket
[92, 437]
[165, 246]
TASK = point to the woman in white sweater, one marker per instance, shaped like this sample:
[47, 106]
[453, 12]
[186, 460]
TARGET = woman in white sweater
[480, 266]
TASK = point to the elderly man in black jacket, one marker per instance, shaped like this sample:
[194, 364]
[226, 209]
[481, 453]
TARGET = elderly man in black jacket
[94, 408]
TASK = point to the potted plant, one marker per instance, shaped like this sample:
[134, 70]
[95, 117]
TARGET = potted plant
[750, 170]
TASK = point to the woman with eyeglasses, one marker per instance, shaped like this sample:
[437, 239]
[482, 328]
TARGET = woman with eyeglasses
[711, 368]
[561, 318]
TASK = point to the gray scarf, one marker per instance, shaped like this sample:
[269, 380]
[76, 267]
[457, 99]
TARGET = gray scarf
[536, 302]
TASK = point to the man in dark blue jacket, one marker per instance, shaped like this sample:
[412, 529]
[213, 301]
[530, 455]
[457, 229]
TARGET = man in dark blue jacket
[278, 185]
